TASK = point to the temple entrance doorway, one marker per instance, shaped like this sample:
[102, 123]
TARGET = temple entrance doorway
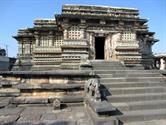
[99, 47]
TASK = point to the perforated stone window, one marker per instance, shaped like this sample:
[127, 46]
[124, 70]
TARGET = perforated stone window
[58, 41]
[44, 41]
[74, 32]
[128, 36]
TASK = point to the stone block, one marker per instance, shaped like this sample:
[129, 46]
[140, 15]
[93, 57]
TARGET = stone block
[33, 100]
[37, 80]
[53, 80]
[101, 107]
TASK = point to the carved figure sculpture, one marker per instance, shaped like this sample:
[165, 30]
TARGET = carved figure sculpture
[92, 89]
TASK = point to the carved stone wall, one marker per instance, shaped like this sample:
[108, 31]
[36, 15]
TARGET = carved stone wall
[68, 39]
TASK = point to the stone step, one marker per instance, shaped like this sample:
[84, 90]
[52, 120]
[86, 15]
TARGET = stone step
[150, 122]
[7, 84]
[9, 92]
[133, 84]
[136, 97]
[129, 75]
[108, 67]
[105, 75]
[142, 115]
[141, 105]
[131, 79]
[46, 100]
[4, 101]
[50, 86]
[111, 65]
[109, 71]
[137, 90]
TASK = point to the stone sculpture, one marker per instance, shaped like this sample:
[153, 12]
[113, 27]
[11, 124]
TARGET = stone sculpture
[92, 89]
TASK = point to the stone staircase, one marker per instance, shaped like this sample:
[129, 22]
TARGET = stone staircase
[139, 95]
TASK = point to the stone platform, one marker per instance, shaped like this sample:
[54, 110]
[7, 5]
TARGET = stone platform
[138, 96]
[42, 115]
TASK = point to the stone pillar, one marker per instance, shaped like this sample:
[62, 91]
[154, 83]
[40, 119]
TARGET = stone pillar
[107, 47]
[82, 34]
[51, 39]
[27, 48]
[162, 63]
[20, 48]
[37, 40]
[65, 34]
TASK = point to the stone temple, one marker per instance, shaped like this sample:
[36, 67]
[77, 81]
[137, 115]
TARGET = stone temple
[83, 33]
[91, 65]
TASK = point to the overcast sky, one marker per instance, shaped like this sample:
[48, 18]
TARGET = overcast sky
[15, 14]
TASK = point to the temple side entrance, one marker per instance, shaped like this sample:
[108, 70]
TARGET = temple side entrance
[99, 47]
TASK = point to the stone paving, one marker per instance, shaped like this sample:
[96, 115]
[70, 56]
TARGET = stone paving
[152, 122]
[42, 114]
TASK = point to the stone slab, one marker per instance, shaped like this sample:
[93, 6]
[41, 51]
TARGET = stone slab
[9, 94]
[101, 107]
[30, 117]
[47, 73]
[48, 117]
[29, 100]
[37, 110]
[50, 86]
[11, 111]
[8, 119]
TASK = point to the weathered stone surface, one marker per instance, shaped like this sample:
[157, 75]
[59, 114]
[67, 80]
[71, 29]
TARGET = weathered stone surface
[37, 110]
[30, 117]
[11, 111]
[28, 100]
[8, 119]
[9, 92]
[48, 117]
[4, 102]
[50, 86]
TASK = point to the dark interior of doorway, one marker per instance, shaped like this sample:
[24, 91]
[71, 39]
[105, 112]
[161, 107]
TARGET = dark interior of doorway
[99, 47]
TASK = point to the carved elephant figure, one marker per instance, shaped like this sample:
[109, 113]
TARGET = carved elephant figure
[92, 88]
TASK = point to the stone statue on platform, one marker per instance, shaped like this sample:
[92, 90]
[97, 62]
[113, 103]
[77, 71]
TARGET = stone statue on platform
[92, 89]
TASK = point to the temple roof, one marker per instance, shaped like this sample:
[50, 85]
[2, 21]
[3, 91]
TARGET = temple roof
[99, 10]
[160, 54]
[97, 6]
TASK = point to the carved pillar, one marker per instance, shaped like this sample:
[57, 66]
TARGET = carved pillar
[83, 27]
[93, 46]
[51, 39]
[37, 40]
[107, 47]
[27, 48]
[30, 48]
[82, 33]
[20, 48]
[65, 34]
[65, 31]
